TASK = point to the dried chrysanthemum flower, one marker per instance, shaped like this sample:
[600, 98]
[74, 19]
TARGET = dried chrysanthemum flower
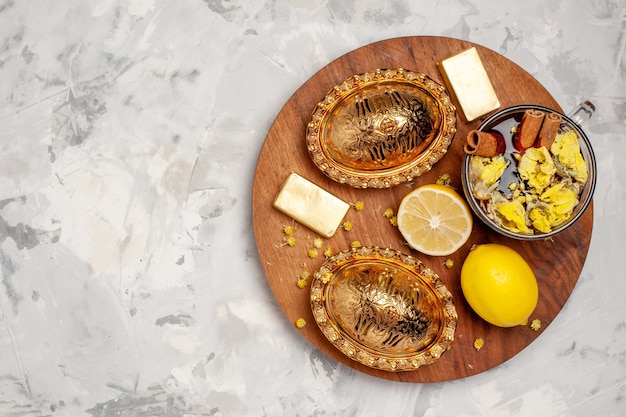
[318, 242]
[478, 344]
[328, 252]
[393, 220]
[347, 225]
[355, 244]
[288, 230]
[358, 206]
[312, 253]
[325, 278]
[388, 213]
[300, 323]
[449, 263]
[535, 324]
[303, 279]
[291, 241]
[444, 179]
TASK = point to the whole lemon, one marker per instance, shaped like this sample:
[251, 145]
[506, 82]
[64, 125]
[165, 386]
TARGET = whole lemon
[499, 285]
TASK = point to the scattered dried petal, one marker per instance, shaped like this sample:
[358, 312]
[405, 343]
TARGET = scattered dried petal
[535, 324]
[449, 263]
[355, 244]
[478, 344]
[393, 220]
[444, 179]
[301, 282]
[388, 213]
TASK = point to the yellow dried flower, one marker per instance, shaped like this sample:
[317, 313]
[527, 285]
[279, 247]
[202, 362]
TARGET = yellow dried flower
[291, 241]
[449, 263]
[328, 252]
[388, 213]
[318, 242]
[312, 253]
[355, 244]
[300, 323]
[303, 279]
[347, 226]
[358, 206]
[393, 220]
[288, 230]
[444, 179]
[326, 277]
[535, 324]
[478, 344]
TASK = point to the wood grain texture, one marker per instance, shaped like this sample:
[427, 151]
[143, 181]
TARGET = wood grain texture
[556, 263]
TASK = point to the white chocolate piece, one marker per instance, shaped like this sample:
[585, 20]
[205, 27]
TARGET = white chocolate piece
[468, 82]
[311, 205]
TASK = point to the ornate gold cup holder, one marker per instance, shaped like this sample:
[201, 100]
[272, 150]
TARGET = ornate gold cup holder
[381, 128]
[383, 308]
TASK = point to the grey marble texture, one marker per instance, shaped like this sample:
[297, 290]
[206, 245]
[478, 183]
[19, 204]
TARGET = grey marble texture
[130, 282]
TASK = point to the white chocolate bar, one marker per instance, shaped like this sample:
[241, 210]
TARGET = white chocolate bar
[311, 205]
[468, 82]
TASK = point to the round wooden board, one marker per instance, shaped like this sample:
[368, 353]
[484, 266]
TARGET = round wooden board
[557, 263]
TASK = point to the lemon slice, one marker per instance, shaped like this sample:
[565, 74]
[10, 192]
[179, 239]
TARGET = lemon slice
[434, 220]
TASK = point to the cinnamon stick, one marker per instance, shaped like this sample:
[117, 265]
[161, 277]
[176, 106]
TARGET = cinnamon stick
[486, 144]
[528, 129]
[549, 129]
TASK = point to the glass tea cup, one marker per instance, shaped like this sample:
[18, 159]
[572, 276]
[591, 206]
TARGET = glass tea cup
[505, 121]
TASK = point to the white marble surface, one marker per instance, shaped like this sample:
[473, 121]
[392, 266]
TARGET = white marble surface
[130, 283]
